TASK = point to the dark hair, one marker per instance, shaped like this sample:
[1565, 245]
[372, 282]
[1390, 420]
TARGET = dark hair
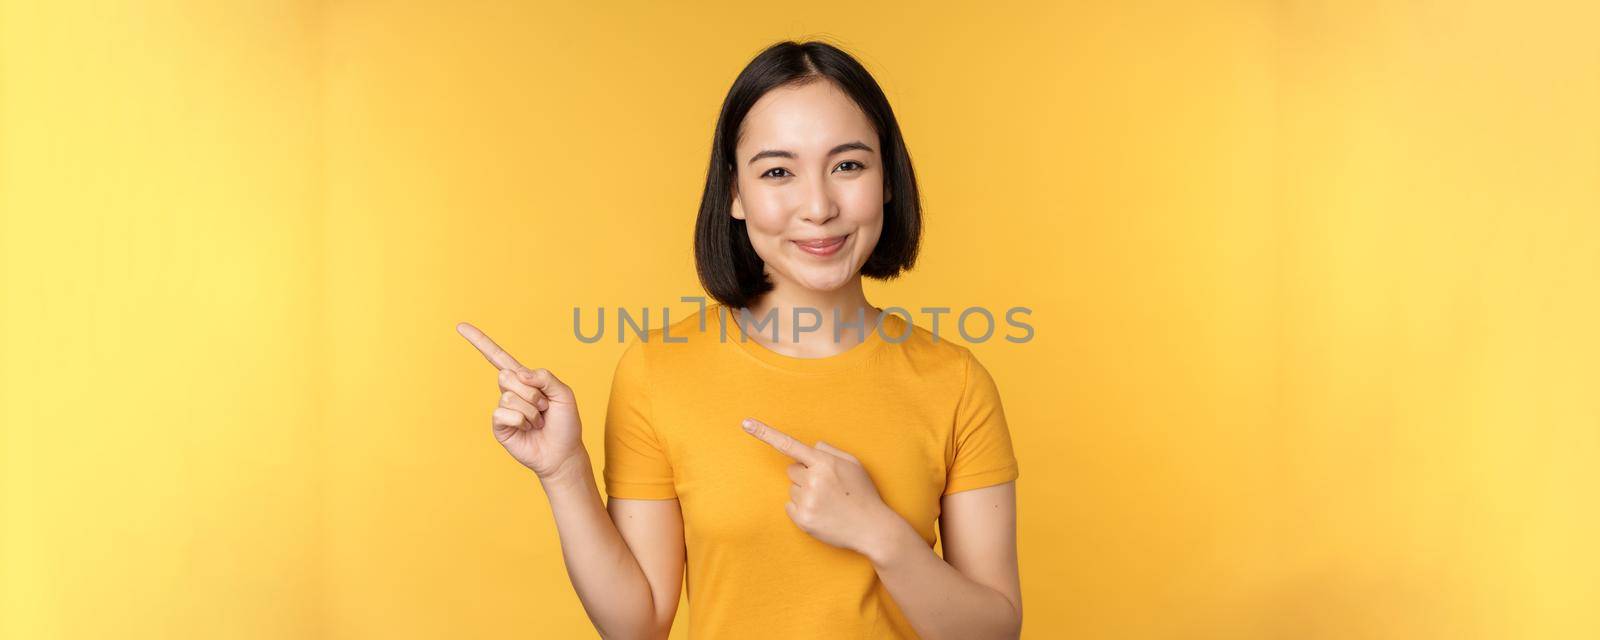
[729, 268]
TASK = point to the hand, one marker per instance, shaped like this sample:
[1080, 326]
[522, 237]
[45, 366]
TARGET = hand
[831, 497]
[537, 420]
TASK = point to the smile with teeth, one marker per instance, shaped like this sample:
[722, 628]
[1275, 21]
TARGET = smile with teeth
[822, 246]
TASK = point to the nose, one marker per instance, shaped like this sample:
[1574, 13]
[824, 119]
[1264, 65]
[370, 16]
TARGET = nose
[818, 207]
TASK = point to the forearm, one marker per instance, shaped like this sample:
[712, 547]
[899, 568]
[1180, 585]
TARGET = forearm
[939, 601]
[609, 582]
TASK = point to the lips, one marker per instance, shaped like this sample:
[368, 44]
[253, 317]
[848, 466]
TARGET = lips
[821, 243]
[821, 246]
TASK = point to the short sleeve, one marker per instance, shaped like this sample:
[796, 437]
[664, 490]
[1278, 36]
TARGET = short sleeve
[636, 462]
[983, 453]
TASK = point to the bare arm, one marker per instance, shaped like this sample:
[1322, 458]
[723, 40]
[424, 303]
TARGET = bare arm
[625, 560]
[626, 565]
[975, 591]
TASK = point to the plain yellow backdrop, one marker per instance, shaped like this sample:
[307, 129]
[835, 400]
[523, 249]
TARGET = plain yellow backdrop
[1315, 289]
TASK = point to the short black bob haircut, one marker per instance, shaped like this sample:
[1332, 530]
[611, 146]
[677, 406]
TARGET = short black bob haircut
[729, 268]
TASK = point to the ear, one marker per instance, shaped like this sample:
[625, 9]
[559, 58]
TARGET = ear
[738, 207]
[888, 193]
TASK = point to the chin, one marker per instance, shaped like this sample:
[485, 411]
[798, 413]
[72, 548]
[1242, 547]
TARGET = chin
[823, 283]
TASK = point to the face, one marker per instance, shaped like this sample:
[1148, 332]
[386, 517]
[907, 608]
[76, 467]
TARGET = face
[809, 169]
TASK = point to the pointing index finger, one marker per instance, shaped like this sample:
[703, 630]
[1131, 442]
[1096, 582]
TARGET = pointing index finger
[497, 356]
[783, 442]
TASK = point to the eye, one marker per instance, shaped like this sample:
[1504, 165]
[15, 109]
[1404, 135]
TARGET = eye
[769, 171]
[862, 166]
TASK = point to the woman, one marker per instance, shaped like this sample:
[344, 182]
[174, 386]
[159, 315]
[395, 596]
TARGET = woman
[810, 188]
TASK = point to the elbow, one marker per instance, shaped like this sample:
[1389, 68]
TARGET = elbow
[1013, 630]
[658, 633]
[656, 630]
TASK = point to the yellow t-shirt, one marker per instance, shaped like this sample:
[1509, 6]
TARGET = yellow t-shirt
[923, 417]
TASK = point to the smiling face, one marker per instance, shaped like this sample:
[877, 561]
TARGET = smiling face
[810, 170]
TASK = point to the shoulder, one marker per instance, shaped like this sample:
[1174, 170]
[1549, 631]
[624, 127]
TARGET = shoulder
[933, 354]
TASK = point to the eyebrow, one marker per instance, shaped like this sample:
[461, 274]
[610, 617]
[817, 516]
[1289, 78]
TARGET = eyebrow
[779, 153]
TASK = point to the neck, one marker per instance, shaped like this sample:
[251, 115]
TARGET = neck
[849, 303]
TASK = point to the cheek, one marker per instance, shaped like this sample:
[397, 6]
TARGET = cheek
[763, 214]
[765, 222]
[866, 214]
[864, 203]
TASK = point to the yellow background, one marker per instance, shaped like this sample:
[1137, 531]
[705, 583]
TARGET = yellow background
[1315, 285]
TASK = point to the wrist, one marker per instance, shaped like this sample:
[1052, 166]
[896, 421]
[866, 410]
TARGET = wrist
[891, 539]
[572, 471]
